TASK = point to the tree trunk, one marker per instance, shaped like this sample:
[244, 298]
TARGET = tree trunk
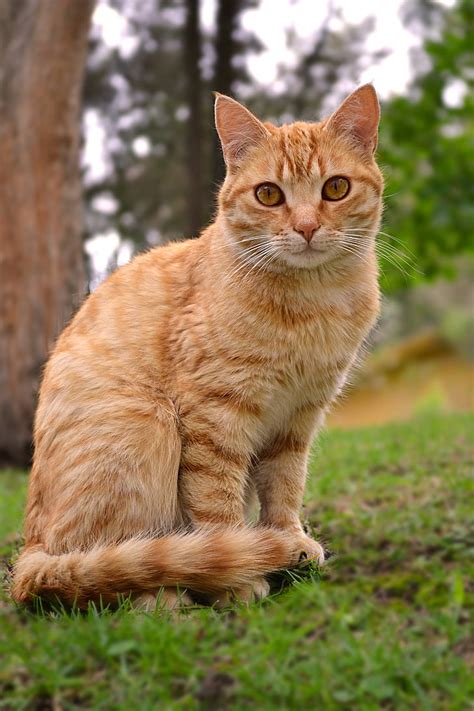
[43, 47]
[224, 73]
[192, 57]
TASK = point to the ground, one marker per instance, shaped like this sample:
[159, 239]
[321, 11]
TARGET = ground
[384, 627]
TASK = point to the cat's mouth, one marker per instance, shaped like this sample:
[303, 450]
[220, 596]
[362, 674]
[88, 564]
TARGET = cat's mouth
[307, 256]
[309, 249]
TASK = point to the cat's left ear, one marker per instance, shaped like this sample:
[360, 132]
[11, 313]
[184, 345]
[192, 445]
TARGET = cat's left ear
[239, 130]
[358, 116]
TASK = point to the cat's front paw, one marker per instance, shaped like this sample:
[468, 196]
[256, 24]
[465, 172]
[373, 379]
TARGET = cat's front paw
[307, 549]
[247, 594]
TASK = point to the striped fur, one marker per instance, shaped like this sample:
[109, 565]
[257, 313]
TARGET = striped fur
[198, 375]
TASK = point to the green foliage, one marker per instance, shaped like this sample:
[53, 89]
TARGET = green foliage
[386, 626]
[426, 149]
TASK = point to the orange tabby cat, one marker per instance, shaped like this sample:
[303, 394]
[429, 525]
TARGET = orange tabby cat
[198, 374]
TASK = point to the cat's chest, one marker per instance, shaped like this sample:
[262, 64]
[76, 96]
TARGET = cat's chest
[271, 367]
[305, 377]
[310, 364]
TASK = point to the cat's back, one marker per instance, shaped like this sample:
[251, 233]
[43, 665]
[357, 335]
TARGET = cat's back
[113, 336]
[137, 293]
[135, 298]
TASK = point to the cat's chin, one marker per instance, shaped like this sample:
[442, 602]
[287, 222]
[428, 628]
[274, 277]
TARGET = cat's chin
[308, 258]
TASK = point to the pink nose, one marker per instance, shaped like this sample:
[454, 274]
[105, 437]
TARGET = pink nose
[307, 228]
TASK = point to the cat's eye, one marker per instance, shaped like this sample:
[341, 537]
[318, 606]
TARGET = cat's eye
[335, 188]
[269, 194]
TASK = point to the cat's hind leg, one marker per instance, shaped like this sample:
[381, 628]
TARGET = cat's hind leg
[109, 477]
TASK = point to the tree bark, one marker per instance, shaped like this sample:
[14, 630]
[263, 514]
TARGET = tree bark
[192, 57]
[43, 47]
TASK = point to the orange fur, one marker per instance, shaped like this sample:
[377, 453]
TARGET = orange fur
[200, 372]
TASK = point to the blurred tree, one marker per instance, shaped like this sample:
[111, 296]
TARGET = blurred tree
[156, 105]
[224, 71]
[42, 53]
[327, 66]
[194, 159]
[143, 98]
[426, 147]
[231, 44]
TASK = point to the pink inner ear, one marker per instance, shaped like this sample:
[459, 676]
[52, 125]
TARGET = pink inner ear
[238, 129]
[359, 117]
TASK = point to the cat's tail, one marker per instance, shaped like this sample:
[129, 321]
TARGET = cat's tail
[206, 561]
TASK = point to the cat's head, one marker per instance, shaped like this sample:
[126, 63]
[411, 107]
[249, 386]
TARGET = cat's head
[302, 194]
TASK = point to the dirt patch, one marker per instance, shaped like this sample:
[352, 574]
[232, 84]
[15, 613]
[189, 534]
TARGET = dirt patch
[216, 689]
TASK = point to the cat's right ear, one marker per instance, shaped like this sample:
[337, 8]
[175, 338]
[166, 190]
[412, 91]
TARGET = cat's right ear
[238, 129]
[358, 117]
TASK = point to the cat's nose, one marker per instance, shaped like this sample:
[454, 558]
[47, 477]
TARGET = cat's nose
[307, 228]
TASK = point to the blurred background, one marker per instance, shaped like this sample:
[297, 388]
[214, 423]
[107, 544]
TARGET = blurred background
[108, 148]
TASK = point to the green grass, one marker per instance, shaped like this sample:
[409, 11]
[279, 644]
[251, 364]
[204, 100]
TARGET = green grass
[385, 627]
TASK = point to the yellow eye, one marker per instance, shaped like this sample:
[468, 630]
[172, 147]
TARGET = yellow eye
[335, 188]
[269, 194]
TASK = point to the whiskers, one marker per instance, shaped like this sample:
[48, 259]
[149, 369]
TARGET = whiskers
[256, 257]
[357, 241]
[256, 253]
